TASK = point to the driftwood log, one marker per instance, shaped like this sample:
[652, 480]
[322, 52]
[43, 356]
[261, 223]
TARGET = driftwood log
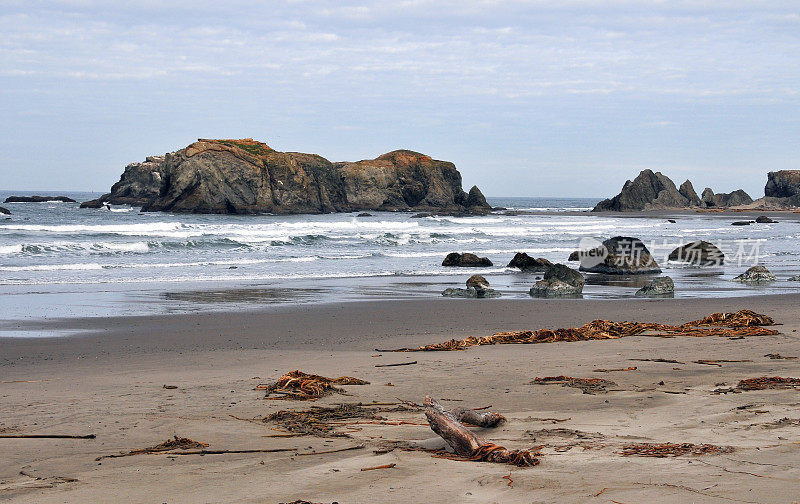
[466, 445]
[477, 418]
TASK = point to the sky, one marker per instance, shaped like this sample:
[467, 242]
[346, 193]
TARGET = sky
[528, 98]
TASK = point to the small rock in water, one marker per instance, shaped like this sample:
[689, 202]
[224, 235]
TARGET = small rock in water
[478, 282]
[795, 278]
[742, 223]
[671, 221]
[465, 260]
[763, 219]
[525, 262]
[559, 281]
[364, 214]
[698, 253]
[658, 287]
[756, 274]
[4, 211]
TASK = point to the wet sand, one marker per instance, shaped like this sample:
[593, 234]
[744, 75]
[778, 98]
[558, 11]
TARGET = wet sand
[108, 380]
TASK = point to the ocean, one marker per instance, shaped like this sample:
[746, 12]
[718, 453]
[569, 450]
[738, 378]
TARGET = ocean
[59, 261]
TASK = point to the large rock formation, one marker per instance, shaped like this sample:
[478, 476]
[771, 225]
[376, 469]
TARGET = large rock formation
[724, 200]
[246, 176]
[782, 191]
[655, 191]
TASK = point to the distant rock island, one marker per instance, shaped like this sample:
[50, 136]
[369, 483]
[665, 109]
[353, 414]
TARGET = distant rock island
[655, 191]
[38, 199]
[246, 177]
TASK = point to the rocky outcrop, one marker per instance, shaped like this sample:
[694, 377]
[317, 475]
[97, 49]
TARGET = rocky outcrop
[477, 287]
[655, 191]
[246, 176]
[687, 191]
[698, 253]
[139, 184]
[783, 184]
[756, 274]
[466, 260]
[38, 199]
[525, 262]
[4, 211]
[657, 288]
[763, 219]
[724, 200]
[559, 281]
[620, 255]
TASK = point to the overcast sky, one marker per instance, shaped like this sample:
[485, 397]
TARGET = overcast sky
[528, 98]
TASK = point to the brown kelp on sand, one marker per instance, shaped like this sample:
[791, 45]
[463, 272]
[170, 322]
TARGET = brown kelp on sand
[321, 421]
[737, 324]
[768, 382]
[178, 443]
[672, 449]
[587, 385]
[302, 386]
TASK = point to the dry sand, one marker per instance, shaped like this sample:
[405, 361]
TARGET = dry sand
[110, 383]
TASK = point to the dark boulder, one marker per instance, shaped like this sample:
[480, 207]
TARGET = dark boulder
[763, 219]
[620, 255]
[364, 214]
[525, 262]
[466, 260]
[5, 211]
[756, 274]
[575, 255]
[559, 281]
[38, 199]
[658, 287]
[698, 253]
[742, 223]
[475, 199]
[477, 287]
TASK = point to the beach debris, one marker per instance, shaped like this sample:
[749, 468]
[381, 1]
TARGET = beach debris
[776, 356]
[335, 450]
[301, 386]
[397, 364]
[466, 445]
[670, 361]
[476, 417]
[612, 370]
[718, 362]
[48, 436]
[170, 387]
[587, 385]
[178, 443]
[740, 323]
[783, 422]
[662, 450]
[321, 421]
[766, 382]
[384, 466]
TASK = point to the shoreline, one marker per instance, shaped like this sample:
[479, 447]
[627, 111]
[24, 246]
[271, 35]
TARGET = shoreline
[362, 325]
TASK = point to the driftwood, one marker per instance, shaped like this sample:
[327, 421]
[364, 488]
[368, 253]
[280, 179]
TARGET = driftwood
[477, 418]
[741, 323]
[466, 445]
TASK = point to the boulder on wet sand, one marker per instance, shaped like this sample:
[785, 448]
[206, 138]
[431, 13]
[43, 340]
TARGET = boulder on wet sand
[698, 253]
[559, 281]
[525, 262]
[620, 255]
[756, 274]
[477, 287]
[763, 219]
[658, 287]
[4, 211]
[466, 260]
[38, 199]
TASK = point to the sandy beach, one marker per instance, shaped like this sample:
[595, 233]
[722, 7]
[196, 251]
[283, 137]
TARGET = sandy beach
[109, 379]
